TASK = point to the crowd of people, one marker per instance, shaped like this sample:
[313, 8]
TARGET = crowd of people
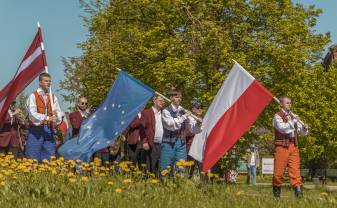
[157, 138]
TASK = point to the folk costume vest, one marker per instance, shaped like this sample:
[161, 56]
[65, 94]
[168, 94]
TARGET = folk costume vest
[172, 136]
[285, 139]
[42, 107]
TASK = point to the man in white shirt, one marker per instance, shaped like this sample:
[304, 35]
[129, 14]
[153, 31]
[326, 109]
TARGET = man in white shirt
[174, 144]
[151, 133]
[43, 114]
[286, 128]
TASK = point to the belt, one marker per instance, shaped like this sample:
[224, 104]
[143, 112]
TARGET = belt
[44, 123]
[291, 140]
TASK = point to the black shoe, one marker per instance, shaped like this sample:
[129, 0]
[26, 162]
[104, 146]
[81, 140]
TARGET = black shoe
[277, 191]
[298, 191]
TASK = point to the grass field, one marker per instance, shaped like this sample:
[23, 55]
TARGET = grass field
[57, 183]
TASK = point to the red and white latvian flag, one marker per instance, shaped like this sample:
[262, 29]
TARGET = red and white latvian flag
[234, 109]
[32, 64]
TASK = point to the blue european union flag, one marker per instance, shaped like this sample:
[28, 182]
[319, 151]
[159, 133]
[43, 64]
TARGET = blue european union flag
[127, 97]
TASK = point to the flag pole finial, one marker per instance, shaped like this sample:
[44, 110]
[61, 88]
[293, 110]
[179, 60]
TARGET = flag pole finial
[38, 24]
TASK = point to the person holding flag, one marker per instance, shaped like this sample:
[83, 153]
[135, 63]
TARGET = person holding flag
[44, 113]
[286, 127]
[174, 117]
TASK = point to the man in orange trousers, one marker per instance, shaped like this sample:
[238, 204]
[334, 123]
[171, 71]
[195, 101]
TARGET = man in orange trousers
[287, 127]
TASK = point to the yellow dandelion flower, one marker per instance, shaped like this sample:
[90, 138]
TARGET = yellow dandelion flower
[182, 160]
[2, 183]
[102, 175]
[239, 193]
[45, 161]
[72, 180]
[110, 183]
[164, 172]
[71, 175]
[127, 181]
[85, 178]
[210, 175]
[189, 163]
[154, 181]
[323, 194]
[118, 190]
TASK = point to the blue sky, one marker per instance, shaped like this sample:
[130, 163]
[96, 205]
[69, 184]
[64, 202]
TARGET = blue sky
[63, 28]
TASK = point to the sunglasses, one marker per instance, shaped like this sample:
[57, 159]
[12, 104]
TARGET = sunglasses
[84, 103]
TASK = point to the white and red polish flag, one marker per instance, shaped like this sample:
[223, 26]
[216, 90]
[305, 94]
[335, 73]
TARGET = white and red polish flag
[32, 64]
[234, 109]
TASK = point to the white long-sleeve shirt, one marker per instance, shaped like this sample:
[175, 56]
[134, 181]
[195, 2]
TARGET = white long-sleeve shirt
[174, 124]
[194, 126]
[37, 118]
[159, 131]
[289, 127]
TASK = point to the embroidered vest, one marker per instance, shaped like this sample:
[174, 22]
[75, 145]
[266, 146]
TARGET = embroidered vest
[284, 139]
[41, 106]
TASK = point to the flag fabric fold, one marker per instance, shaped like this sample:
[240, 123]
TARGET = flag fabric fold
[234, 109]
[32, 64]
[127, 97]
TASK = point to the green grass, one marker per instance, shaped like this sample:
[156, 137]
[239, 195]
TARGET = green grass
[47, 190]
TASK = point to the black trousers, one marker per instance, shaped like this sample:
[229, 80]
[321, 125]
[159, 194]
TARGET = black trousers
[13, 150]
[135, 154]
[152, 158]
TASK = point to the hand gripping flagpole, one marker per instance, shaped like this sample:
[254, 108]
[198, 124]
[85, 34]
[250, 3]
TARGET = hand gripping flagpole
[46, 68]
[278, 101]
[167, 99]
